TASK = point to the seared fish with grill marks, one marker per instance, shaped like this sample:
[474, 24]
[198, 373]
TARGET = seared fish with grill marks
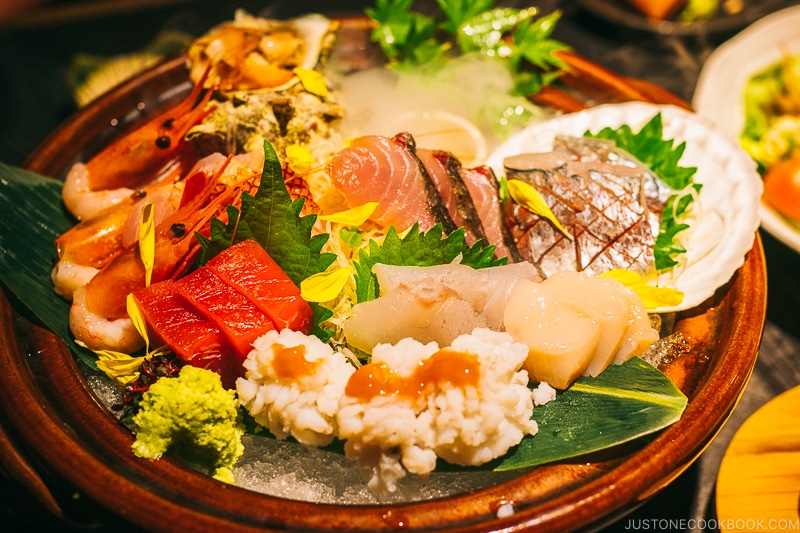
[609, 202]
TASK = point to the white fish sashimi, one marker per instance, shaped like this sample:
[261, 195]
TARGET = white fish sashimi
[434, 303]
[486, 289]
[424, 309]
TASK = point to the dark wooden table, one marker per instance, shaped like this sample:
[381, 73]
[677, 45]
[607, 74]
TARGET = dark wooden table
[37, 46]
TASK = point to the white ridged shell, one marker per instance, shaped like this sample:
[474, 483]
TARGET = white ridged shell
[731, 186]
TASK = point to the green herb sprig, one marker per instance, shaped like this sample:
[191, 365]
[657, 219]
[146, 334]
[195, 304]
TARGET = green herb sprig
[412, 39]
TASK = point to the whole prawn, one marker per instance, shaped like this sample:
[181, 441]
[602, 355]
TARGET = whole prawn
[140, 157]
[91, 244]
[98, 315]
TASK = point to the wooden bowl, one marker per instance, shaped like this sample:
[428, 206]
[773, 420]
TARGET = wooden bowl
[55, 431]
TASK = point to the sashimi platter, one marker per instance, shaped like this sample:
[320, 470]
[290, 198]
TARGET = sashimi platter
[394, 271]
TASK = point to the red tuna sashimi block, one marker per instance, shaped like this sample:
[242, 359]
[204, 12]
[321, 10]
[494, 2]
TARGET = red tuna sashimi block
[249, 268]
[174, 322]
[232, 312]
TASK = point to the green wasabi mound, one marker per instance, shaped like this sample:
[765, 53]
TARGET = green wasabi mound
[193, 417]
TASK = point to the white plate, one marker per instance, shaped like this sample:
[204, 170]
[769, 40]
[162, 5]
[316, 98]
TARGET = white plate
[720, 87]
[730, 193]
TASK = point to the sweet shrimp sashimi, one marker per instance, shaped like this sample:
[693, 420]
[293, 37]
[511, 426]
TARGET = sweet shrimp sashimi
[386, 170]
[139, 158]
[92, 244]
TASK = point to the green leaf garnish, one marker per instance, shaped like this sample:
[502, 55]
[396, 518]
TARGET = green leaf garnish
[26, 257]
[662, 157]
[273, 220]
[406, 37]
[460, 12]
[411, 39]
[417, 248]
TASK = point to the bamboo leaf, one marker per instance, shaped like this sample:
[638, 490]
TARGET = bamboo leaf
[623, 403]
[32, 217]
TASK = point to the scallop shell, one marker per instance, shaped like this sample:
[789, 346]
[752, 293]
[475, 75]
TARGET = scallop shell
[729, 198]
[228, 46]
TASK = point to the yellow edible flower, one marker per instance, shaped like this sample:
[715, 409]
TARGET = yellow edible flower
[653, 297]
[352, 217]
[299, 158]
[313, 81]
[325, 286]
[528, 197]
[120, 367]
[147, 240]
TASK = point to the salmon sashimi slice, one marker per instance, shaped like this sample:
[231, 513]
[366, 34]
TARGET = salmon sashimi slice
[387, 170]
[610, 209]
[231, 311]
[173, 322]
[484, 189]
[247, 267]
[445, 171]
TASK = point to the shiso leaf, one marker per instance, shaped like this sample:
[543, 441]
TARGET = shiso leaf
[273, 220]
[625, 402]
[418, 248]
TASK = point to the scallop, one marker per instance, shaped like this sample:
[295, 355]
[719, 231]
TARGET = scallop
[253, 53]
[725, 216]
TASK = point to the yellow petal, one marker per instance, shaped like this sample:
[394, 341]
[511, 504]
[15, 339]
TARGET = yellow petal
[147, 240]
[119, 367]
[652, 296]
[313, 81]
[299, 158]
[352, 217]
[137, 319]
[528, 197]
[325, 286]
